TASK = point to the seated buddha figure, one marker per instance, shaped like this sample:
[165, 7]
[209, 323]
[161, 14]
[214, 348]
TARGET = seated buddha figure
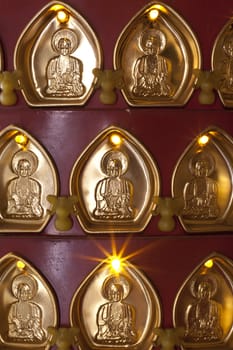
[24, 192]
[227, 64]
[116, 318]
[113, 194]
[151, 71]
[25, 316]
[64, 72]
[201, 192]
[204, 314]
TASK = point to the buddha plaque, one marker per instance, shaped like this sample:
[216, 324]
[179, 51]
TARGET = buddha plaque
[157, 53]
[115, 309]
[203, 179]
[105, 179]
[28, 176]
[203, 305]
[28, 305]
[222, 58]
[51, 55]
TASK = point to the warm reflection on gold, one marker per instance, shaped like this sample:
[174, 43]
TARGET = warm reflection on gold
[224, 189]
[213, 133]
[158, 7]
[56, 7]
[227, 319]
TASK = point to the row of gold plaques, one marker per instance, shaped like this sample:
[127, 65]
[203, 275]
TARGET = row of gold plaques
[102, 183]
[58, 51]
[105, 179]
[58, 56]
[116, 306]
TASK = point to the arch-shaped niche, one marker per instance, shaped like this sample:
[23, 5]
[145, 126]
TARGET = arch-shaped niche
[209, 286]
[137, 302]
[222, 55]
[28, 176]
[106, 178]
[55, 56]
[157, 52]
[28, 305]
[203, 178]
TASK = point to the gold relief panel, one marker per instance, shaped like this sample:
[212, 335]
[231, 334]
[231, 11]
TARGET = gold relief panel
[115, 307]
[203, 179]
[28, 175]
[55, 56]
[157, 53]
[106, 179]
[28, 305]
[204, 305]
[222, 58]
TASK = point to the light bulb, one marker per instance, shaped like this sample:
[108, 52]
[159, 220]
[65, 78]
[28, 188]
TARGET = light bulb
[115, 139]
[203, 140]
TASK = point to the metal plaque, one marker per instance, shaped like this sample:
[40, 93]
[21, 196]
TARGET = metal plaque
[106, 177]
[115, 309]
[55, 55]
[222, 58]
[28, 175]
[28, 305]
[203, 178]
[204, 307]
[157, 53]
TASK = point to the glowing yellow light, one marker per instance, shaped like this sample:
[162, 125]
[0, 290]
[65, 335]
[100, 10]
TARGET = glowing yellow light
[20, 265]
[153, 14]
[62, 16]
[209, 263]
[61, 13]
[21, 139]
[115, 139]
[116, 264]
[203, 140]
